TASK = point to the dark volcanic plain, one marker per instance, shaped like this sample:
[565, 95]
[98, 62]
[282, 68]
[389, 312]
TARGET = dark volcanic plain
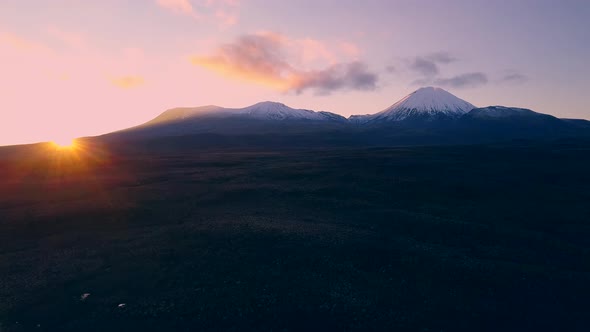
[447, 238]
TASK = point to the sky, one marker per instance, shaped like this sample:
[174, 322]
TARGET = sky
[72, 68]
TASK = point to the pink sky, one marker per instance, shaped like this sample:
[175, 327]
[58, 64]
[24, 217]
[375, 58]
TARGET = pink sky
[73, 68]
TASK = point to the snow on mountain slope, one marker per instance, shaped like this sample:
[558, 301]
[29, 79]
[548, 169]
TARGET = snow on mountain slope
[333, 116]
[277, 111]
[267, 110]
[425, 103]
[501, 112]
[262, 117]
[360, 119]
[427, 111]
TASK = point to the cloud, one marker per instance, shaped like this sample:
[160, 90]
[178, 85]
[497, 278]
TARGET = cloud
[71, 39]
[513, 78]
[428, 69]
[179, 6]
[267, 59]
[350, 48]
[441, 57]
[128, 82]
[354, 76]
[257, 58]
[312, 50]
[422, 82]
[17, 43]
[468, 80]
[226, 18]
[223, 11]
[428, 65]
[424, 67]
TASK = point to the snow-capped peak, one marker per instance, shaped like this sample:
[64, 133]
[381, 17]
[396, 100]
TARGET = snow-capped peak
[425, 102]
[269, 110]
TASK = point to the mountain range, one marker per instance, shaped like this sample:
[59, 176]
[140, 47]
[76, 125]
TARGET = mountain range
[428, 115]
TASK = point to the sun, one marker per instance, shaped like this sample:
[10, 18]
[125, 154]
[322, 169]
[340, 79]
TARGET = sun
[64, 144]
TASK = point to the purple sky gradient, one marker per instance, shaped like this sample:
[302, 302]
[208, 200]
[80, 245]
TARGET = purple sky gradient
[74, 68]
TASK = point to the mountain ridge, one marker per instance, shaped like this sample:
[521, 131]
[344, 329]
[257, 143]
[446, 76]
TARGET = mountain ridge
[431, 113]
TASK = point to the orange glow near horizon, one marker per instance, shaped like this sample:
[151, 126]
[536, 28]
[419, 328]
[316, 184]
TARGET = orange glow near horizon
[64, 144]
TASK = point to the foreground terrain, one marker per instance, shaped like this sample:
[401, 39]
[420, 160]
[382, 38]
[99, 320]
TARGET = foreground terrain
[471, 238]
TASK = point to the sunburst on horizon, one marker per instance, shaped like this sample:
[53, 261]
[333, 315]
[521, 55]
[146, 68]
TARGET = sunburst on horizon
[64, 144]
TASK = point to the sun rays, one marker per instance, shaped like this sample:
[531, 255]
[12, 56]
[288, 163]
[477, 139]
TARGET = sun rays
[64, 144]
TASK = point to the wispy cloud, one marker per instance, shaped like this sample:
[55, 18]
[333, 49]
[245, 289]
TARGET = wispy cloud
[179, 6]
[441, 57]
[226, 18]
[424, 67]
[513, 77]
[427, 71]
[350, 48]
[390, 69]
[428, 65]
[224, 12]
[354, 76]
[64, 70]
[267, 58]
[128, 82]
[258, 58]
[17, 43]
[71, 39]
[468, 80]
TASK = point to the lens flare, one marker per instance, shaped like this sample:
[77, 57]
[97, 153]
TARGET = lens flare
[64, 144]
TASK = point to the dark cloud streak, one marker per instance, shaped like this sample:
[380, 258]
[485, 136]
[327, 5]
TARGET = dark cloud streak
[467, 80]
[354, 76]
[441, 57]
[428, 65]
[514, 77]
[424, 67]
